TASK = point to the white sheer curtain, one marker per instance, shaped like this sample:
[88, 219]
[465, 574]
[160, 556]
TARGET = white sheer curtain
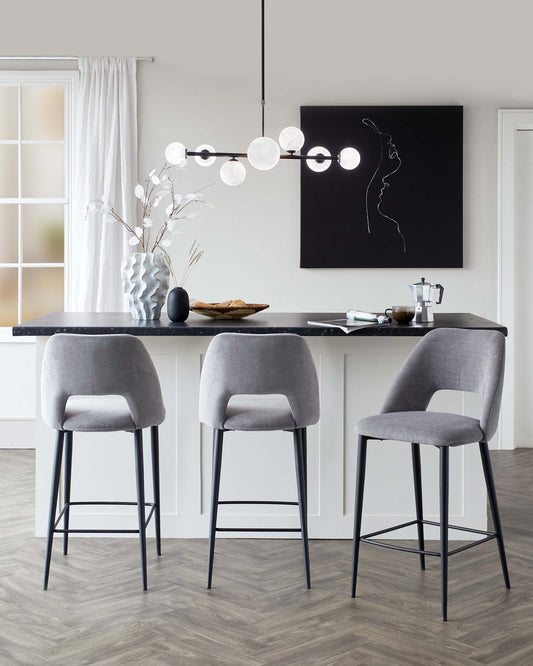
[106, 167]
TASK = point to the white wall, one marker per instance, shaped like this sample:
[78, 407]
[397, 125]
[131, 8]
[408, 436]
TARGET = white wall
[204, 87]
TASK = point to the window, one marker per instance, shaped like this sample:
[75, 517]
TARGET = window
[35, 157]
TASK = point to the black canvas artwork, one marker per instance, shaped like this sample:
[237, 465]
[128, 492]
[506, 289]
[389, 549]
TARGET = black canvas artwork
[402, 206]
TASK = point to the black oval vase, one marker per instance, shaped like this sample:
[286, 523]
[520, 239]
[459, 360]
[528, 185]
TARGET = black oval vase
[178, 304]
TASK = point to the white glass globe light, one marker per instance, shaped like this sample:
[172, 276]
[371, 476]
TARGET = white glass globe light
[315, 165]
[205, 160]
[232, 172]
[349, 158]
[263, 153]
[291, 139]
[175, 153]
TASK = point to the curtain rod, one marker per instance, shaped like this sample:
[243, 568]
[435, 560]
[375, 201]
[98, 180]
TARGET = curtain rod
[145, 59]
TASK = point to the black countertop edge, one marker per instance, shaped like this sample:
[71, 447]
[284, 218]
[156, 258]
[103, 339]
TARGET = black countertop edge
[109, 323]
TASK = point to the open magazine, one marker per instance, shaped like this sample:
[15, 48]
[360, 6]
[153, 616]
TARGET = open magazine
[354, 320]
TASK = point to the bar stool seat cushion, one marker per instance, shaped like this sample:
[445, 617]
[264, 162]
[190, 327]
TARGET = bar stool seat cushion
[259, 412]
[437, 428]
[88, 413]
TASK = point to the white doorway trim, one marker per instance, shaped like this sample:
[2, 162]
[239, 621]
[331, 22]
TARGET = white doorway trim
[510, 121]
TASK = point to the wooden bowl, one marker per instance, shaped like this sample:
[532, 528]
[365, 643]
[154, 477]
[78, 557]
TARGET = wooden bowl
[217, 311]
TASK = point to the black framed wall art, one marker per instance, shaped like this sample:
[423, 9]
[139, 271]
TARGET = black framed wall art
[402, 206]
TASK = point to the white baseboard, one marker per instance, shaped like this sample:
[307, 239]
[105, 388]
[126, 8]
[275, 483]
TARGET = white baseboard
[17, 434]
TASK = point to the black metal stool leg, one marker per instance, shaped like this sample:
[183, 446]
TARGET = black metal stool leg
[139, 468]
[358, 511]
[53, 504]
[417, 476]
[304, 449]
[302, 498]
[444, 501]
[218, 438]
[491, 490]
[66, 487]
[157, 487]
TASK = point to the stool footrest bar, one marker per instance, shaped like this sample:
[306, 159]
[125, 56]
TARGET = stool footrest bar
[258, 529]
[461, 529]
[367, 538]
[471, 545]
[71, 531]
[107, 503]
[389, 529]
[406, 550]
[69, 504]
[257, 502]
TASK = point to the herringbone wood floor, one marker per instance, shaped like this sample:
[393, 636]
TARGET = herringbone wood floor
[259, 611]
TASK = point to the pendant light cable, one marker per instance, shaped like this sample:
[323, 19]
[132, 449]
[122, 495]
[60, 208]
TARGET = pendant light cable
[262, 67]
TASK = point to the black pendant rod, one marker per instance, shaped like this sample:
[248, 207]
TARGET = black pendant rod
[262, 67]
[206, 154]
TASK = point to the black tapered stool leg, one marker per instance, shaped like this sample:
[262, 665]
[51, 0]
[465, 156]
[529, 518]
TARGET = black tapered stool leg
[157, 487]
[53, 504]
[304, 449]
[302, 498]
[67, 472]
[493, 502]
[218, 437]
[417, 477]
[444, 501]
[139, 468]
[358, 510]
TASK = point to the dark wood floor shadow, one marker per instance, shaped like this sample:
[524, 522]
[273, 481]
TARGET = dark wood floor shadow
[259, 611]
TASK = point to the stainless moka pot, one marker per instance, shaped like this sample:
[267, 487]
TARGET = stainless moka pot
[423, 293]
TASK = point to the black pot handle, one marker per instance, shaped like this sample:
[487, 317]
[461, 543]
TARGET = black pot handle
[441, 293]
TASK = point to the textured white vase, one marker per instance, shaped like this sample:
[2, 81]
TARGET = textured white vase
[145, 277]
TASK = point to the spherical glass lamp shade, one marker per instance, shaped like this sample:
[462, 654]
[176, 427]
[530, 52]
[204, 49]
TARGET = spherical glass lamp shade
[349, 158]
[175, 153]
[232, 172]
[318, 164]
[291, 139]
[205, 160]
[263, 153]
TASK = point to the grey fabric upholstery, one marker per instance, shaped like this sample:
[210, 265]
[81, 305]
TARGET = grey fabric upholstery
[97, 414]
[435, 428]
[99, 365]
[453, 359]
[253, 367]
[259, 412]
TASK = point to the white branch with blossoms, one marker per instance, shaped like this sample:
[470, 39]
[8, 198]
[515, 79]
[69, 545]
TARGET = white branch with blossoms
[148, 236]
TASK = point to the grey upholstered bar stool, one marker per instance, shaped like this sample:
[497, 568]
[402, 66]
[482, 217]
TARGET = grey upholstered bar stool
[253, 383]
[453, 359]
[77, 371]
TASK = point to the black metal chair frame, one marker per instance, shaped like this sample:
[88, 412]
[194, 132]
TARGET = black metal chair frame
[444, 525]
[300, 455]
[141, 504]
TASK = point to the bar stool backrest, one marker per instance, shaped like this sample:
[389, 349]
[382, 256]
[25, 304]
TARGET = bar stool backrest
[100, 365]
[261, 364]
[456, 359]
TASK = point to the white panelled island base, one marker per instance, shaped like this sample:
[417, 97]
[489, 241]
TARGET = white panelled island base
[355, 372]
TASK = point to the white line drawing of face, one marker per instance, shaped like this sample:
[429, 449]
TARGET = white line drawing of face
[389, 163]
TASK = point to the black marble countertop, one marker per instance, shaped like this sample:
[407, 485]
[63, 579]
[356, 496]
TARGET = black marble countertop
[271, 322]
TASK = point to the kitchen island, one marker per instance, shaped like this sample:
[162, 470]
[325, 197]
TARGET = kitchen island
[355, 372]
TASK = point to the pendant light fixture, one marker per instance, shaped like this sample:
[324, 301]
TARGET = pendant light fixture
[263, 152]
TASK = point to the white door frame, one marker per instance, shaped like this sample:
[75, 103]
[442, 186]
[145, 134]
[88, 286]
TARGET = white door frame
[510, 121]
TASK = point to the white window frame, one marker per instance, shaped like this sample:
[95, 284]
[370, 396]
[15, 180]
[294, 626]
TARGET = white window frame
[69, 79]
